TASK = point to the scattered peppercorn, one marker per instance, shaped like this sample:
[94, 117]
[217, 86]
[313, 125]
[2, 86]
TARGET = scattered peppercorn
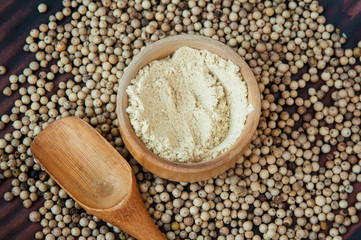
[42, 8]
[2, 70]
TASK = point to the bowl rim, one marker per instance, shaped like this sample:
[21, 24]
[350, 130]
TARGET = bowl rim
[175, 170]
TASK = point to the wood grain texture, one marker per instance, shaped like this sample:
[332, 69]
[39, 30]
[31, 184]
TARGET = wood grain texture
[180, 171]
[95, 175]
[18, 17]
[352, 7]
[14, 218]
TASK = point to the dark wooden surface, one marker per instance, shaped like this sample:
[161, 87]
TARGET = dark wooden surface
[18, 17]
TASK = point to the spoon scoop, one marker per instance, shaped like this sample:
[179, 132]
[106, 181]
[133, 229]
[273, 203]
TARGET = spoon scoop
[95, 175]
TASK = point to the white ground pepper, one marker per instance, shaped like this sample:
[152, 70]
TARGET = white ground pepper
[189, 107]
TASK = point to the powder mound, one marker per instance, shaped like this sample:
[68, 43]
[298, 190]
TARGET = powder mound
[189, 107]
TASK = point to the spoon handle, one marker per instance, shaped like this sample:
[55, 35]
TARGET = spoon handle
[133, 218]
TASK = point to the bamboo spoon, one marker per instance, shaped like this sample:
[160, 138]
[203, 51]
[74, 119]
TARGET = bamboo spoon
[95, 175]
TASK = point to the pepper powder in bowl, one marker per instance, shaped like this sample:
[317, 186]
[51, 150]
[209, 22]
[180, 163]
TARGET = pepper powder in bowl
[187, 107]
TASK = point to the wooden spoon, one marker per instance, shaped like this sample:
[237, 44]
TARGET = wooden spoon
[95, 175]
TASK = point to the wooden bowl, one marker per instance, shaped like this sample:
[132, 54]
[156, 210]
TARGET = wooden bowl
[185, 172]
